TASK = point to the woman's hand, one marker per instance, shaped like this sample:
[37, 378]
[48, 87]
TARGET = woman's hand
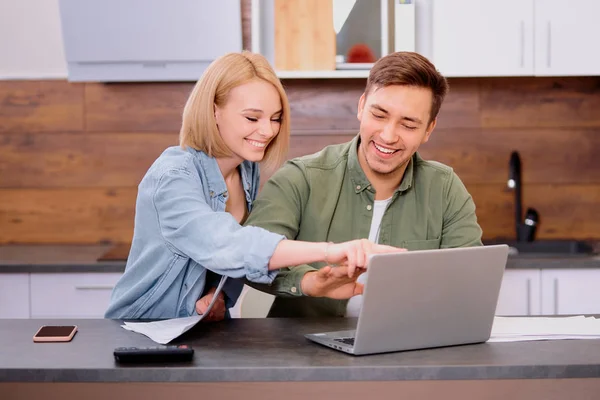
[355, 254]
[217, 313]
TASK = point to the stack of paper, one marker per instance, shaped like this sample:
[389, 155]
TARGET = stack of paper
[516, 329]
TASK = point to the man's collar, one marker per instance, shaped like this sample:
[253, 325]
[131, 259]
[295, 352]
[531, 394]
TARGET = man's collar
[359, 179]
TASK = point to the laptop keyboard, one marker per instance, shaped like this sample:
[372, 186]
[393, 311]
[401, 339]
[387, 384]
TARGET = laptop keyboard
[349, 341]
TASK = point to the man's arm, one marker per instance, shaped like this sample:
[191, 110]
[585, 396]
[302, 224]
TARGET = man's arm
[278, 208]
[460, 227]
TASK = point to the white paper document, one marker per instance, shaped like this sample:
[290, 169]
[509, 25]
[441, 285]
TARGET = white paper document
[166, 330]
[517, 329]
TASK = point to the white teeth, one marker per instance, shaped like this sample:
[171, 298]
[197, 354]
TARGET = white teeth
[383, 149]
[256, 144]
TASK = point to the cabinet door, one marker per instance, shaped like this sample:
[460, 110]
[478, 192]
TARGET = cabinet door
[14, 295]
[71, 295]
[519, 293]
[566, 35]
[570, 291]
[483, 37]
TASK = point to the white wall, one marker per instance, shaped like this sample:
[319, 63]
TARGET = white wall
[30, 40]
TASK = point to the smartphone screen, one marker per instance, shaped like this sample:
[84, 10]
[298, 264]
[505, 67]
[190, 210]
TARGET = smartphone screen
[49, 333]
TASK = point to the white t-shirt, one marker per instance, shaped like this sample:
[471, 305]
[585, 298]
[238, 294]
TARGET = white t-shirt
[355, 303]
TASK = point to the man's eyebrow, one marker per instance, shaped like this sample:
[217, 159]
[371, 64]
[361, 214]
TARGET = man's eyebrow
[378, 107]
[413, 119]
[383, 110]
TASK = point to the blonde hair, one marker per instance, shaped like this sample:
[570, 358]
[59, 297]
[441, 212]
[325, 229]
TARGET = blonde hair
[199, 127]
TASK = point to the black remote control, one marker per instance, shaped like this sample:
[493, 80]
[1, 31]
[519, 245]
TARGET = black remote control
[154, 354]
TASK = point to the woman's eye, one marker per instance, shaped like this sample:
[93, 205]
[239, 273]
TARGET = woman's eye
[278, 120]
[378, 116]
[251, 119]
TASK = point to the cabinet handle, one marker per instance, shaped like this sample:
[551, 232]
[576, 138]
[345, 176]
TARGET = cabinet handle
[95, 287]
[522, 44]
[549, 52]
[528, 296]
[555, 296]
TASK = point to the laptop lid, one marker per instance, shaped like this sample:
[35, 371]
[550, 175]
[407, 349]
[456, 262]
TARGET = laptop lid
[430, 298]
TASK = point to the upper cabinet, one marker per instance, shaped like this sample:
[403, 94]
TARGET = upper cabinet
[514, 37]
[483, 37]
[565, 33]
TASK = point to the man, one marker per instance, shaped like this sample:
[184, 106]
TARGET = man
[376, 187]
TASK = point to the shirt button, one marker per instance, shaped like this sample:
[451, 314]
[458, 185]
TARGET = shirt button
[293, 289]
[369, 207]
[211, 193]
[357, 187]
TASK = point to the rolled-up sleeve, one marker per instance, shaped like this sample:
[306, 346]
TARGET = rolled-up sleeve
[211, 238]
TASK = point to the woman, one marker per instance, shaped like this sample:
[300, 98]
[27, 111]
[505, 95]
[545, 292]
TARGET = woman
[194, 197]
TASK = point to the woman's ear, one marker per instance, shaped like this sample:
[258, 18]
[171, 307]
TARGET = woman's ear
[217, 113]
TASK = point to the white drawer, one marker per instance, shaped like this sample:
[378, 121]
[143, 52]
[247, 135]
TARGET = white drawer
[14, 295]
[71, 295]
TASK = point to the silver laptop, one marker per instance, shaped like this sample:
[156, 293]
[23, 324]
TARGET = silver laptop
[423, 299]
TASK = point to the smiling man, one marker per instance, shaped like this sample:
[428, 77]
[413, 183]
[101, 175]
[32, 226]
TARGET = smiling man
[376, 186]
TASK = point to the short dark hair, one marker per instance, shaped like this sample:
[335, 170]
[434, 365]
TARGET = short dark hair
[409, 69]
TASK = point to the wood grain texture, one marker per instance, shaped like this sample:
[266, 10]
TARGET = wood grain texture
[135, 107]
[41, 106]
[553, 156]
[74, 160]
[461, 106]
[66, 215]
[571, 102]
[71, 155]
[566, 211]
[304, 35]
[246, 6]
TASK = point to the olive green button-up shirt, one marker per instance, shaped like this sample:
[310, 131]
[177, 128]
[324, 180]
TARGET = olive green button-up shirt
[326, 197]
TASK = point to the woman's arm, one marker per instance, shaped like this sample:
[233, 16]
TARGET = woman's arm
[354, 254]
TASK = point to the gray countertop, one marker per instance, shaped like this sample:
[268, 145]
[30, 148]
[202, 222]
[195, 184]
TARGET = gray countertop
[275, 350]
[84, 258]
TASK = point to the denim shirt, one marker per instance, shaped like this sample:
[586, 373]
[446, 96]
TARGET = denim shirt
[182, 232]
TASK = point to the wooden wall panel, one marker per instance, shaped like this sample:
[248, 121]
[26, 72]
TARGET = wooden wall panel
[461, 106]
[566, 211]
[547, 155]
[541, 102]
[40, 106]
[64, 160]
[135, 107]
[66, 215]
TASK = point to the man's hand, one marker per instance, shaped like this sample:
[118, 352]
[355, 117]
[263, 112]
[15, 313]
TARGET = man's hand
[217, 313]
[332, 282]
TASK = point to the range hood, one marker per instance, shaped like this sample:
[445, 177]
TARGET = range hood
[147, 40]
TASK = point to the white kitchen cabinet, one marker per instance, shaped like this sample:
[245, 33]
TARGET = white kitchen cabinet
[14, 295]
[566, 36]
[520, 292]
[483, 37]
[570, 291]
[71, 295]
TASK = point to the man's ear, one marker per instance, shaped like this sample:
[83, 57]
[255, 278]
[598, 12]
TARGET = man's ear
[430, 129]
[361, 106]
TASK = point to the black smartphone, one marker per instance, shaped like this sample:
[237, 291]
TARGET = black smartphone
[55, 333]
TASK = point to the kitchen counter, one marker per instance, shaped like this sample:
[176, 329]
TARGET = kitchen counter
[275, 351]
[85, 258]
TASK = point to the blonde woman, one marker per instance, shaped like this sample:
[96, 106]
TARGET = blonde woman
[194, 197]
